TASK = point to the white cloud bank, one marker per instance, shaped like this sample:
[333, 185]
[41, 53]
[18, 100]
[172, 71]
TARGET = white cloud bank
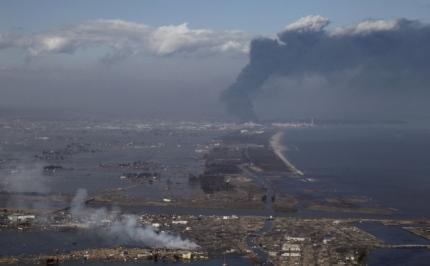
[125, 38]
[308, 23]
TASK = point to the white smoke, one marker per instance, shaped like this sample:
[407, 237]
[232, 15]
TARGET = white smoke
[25, 179]
[24, 182]
[128, 230]
[125, 228]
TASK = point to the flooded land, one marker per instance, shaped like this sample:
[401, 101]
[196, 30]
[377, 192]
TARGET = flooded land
[100, 192]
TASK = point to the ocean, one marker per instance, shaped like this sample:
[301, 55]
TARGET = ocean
[390, 164]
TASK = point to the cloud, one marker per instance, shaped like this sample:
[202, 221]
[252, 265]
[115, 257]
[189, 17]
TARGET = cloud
[370, 26]
[124, 38]
[172, 39]
[8, 40]
[308, 23]
[373, 57]
[114, 34]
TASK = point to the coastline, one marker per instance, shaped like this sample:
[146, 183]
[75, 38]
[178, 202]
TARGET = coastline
[279, 149]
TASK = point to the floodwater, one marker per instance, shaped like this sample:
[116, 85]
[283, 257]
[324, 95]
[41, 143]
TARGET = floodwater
[399, 257]
[44, 242]
[239, 261]
[392, 234]
[33, 243]
[174, 151]
[395, 235]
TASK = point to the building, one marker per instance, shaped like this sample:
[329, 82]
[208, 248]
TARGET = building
[287, 254]
[180, 222]
[21, 219]
[291, 247]
[186, 255]
[295, 239]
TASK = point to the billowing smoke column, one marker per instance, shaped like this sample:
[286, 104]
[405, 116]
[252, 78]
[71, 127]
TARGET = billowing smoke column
[124, 229]
[378, 55]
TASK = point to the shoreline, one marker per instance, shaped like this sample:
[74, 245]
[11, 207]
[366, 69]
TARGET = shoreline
[279, 149]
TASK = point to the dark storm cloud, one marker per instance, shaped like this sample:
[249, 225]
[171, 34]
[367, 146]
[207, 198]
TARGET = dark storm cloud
[374, 57]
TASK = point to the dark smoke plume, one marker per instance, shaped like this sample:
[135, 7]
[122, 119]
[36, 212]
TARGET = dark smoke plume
[383, 56]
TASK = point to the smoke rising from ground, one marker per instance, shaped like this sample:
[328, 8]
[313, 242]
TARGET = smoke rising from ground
[379, 64]
[26, 179]
[124, 229]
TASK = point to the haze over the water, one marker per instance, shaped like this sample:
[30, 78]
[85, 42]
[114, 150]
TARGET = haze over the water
[213, 60]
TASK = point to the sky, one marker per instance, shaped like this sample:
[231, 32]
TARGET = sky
[251, 15]
[155, 58]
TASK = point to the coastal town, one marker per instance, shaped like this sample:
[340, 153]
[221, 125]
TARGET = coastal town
[233, 209]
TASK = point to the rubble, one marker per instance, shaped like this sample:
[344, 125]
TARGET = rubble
[21, 219]
[110, 255]
[51, 169]
[304, 241]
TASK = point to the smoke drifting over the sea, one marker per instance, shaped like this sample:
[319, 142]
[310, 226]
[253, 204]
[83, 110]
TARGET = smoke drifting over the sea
[124, 229]
[374, 59]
